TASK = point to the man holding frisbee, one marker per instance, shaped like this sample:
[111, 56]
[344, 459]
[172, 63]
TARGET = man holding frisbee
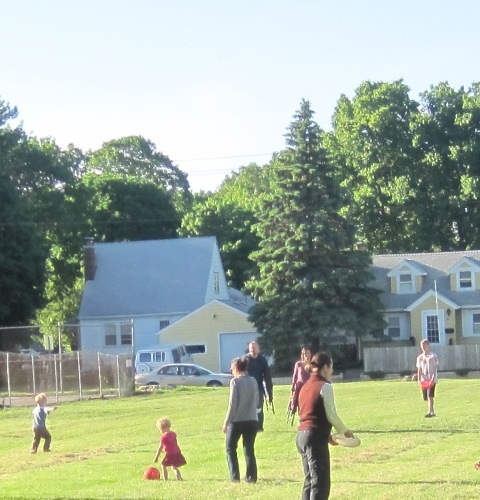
[427, 374]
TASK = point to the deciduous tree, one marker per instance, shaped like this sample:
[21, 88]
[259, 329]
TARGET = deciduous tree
[135, 156]
[371, 147]
[229, 214]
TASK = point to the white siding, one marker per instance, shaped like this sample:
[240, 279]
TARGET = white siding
[92, 333]
[216, 267]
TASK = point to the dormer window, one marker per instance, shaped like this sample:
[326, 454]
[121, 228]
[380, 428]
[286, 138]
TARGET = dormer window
[463, 275]
[405, 283]
[465, 280]
[406, 277]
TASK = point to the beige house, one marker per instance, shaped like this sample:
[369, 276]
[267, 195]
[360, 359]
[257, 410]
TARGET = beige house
[430, 295]
[215, 333]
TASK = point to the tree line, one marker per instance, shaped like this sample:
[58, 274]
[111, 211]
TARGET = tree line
[394, 174]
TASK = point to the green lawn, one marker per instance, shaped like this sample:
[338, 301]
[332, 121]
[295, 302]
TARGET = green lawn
[100, 448]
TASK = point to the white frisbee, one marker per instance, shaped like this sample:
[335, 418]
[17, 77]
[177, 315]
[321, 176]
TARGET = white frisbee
[352, 442]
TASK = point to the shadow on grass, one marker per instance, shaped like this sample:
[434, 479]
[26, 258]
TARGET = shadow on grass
[261, 480]
[416, 431]
[398, 483]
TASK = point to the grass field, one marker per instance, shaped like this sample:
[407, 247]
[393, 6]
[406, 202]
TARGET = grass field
[100, 448]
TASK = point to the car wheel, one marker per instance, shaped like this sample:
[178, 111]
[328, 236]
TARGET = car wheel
[214, 383]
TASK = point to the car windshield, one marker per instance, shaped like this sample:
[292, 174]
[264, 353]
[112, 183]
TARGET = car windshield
[202, 371]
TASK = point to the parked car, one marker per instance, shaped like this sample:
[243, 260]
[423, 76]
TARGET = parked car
[29, 352]
[183, 374]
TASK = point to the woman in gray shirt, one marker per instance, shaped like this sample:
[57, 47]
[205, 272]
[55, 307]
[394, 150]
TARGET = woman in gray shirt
[242, 421]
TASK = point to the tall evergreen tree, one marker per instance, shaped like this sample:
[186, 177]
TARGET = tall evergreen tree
[311, 284]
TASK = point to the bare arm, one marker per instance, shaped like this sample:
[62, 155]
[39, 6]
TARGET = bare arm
[419, 372]
[159, 451]
[295, 375]
[436, 368]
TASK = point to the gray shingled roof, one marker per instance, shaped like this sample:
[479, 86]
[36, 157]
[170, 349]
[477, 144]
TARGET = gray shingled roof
[148, 277]
[436, 265]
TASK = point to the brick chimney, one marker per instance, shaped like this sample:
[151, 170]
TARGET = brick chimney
[89, 259]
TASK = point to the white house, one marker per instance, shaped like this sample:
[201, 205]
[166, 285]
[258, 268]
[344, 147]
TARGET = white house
[134, 289]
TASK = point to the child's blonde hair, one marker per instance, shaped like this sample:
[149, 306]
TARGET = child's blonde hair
[163, 422]
[40, 398]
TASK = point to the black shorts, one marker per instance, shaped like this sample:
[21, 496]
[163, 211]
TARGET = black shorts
[429, 393]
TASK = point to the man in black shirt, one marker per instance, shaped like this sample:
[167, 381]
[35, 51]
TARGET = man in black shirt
[257, 367]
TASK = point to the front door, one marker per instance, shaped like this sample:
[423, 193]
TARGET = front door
[433, 327]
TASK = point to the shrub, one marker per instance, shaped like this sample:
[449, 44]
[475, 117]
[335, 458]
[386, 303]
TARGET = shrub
[462, 372]
[405, 373]
[376, 375]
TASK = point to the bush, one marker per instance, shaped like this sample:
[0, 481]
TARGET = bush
[406, 373]
[376, 375]
[462, 372]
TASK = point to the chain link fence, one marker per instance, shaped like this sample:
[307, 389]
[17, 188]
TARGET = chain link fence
[68, 376]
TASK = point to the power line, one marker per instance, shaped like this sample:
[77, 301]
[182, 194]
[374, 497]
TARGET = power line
[217, 171]
[223, 157]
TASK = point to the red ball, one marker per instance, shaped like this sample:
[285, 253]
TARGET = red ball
[151, 473]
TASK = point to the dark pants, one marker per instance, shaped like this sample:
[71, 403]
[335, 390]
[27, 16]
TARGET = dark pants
[316, 465]
[41, 434]
[248, 431]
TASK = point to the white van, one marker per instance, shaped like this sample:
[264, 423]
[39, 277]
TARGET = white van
[161, 354]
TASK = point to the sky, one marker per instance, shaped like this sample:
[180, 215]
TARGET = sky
[214, 84]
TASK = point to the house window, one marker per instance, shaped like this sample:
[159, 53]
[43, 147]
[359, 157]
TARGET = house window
[405, 283]
[476, 323]
[216, 282]
[465, 280]
[126, 333]
[433, 332]
[164, 323]
[197, 349]
[110, 334]
[393, 328]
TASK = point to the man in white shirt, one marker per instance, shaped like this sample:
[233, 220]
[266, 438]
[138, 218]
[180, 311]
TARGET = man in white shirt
[427, 375]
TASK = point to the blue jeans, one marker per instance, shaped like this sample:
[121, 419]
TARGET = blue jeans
[316, 465]
[248, 431]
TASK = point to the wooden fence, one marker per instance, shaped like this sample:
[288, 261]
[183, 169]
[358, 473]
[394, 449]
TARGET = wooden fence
[399, 359]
